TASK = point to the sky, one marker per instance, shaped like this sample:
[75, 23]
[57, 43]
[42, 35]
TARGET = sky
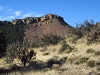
[73, 11]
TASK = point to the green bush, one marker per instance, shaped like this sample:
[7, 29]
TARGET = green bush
[83, 59]
[91, 63]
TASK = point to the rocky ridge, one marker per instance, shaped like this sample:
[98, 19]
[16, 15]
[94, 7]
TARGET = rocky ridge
[39, 26]
[30, 20]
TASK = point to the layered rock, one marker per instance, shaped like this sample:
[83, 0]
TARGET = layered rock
[30, 20]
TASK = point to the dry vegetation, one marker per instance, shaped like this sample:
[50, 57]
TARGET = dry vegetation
[75, 55]
[75, 59]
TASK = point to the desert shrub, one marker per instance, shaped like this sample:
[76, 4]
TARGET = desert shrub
[64, 47]
[77, 62]
[98, 63]
[88, 42]
[91, 63]
[74, 39]
[97, 53]
[63, 59]
[98, 68]
[90, 50]
[83, 59]
[47, 40]
[71, 60]
[51, 39]
[10, 53]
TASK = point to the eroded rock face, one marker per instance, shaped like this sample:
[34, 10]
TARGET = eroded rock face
[17, 21]
[30, 20]
[48, 17]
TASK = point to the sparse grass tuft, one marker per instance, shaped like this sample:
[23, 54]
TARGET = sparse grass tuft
[98, 69]
[77, 63]
[91, 63]
[55, 66]
[98, 63]
[44, 49]
[83, 59]
[97, 53]
[46, 69]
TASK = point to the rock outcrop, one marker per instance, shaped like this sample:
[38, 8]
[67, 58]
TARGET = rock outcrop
[30, 20]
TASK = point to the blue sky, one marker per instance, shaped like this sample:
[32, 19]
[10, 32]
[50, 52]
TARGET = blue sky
[73, 11]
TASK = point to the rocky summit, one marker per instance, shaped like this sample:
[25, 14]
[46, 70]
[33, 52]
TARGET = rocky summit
[39, 26]
[45, 25]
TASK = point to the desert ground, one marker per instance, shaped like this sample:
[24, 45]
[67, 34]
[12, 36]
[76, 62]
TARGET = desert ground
[83, 59]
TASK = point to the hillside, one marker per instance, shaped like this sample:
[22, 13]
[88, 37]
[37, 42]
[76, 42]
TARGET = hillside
[49, 46]
[48, 24]
[76, 59]
[30, 28]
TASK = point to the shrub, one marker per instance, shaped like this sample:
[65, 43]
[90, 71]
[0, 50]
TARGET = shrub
[63, 59]
[47, 40]
[74, 39]
[98, 69]
[97, 53]
[90, 50]
[83, 59]
[98, 63]
[65, 46]
[77, 62]
[11, 52]
[91, 63]
[71, 60]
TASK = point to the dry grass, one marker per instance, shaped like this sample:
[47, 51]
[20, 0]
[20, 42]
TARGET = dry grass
[68, 67]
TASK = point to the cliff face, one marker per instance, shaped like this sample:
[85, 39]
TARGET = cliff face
[45, 25]
[39, 26]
